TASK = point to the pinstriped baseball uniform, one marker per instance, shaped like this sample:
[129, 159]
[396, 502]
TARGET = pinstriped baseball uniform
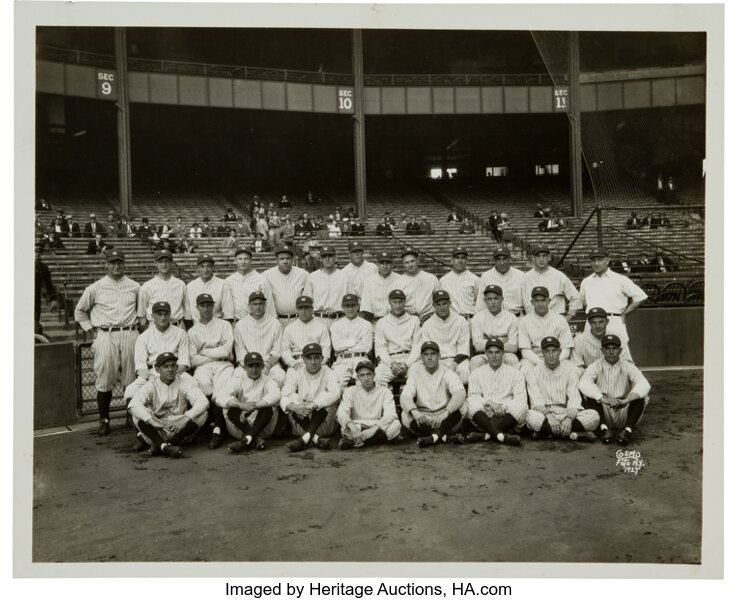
[429, 392]
[560, 288]
[463, 288]
[485, 325]
[214, 287]
[353, 336]
[452, 336]
[327, 291]
[375, 296]
[152, 342]
[359, 275]
[263, 336]
[532, 329]
[617, 381]
[512, 288]
[237, 290]
[211, 374]
[321, 388]
[110, 303]
[297, 335]
[156, 289]
[285, 290]
[263, 391]
[588, 349]
[419, 290]
[557, 389]
[395, 339]
[376, 407]
[504, 386]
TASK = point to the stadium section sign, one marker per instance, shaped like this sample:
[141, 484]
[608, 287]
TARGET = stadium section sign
[345, 100]
[105, 84]
[561, 99]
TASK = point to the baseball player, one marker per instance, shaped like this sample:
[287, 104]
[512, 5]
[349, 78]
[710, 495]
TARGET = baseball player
[540, 323]
[163, 287]
[204, 283]
[310, 399]
[432, 399]
[451, 333]
[239, 286]
[560, 288]
[107, 309]
[287, 282]
[375, 294]
[506, 277]
[494, 322]
[555, 403]
[461, 284]
[351, 338]
[367, 412]
[211, 354]
[614, 292]
[588, 344]
[250, 406]
[497, 402]
[396, 340]
[418, 286]
[358, 270]
[258, 333]
[307, 329]
[617, 390]
[169, 410]
[327, 287]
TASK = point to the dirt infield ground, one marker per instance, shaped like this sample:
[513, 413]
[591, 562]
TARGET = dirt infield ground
[552, 501]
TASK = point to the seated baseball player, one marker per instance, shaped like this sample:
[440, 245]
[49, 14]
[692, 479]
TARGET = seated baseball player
[367, 413]
[588, 344]
[351, 338]
[310, 398]
[497, 403]
[258, 332]
[432, 399]
[617, 390]
[396, 340]
[211, 353]
[555, 404]
[250, 404]
[162, 337]
[169, 409]
[451, 332]
[494, 322]
[533, 327]
[305, 330]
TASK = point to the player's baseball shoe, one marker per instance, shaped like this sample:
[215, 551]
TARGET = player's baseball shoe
[140, 444]
[345, 444]
[624, 437]
[425, 441]
[171, 451]
[512, 440]
[297, 445]
[216, 441]
[609, 436]
[323, 443]
[258, 444]
[455, 438]
[583, 436]
[104, 428]
[537, 435]
[474, 437]
[239, 446]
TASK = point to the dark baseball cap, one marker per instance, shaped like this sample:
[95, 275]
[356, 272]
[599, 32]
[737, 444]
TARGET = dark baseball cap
[312, 349]
[397, 294]
[385, 257]
[204, 299]
[158, 306]
[242, 249]
[163, 254]
[164, 357]
[205, 258]
[495, 341]
[410, 251]
[303, 301]
[349, 299]
[253, 358]
[355, 246]
[114, 255]
[429, 345]
[257, 295]
[327, 251]
[493, 289]
[365, 364]
[601, 251]
[501, 251]
[596, 312]
[609, 340]
[540, 248]
[440, 295]
[460, 251]
[539, 290]
[285, 248]
[550, 341]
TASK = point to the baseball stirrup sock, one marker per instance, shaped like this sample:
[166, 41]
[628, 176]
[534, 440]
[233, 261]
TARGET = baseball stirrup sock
[263, 416]
[635, 410]
[234, 416]
[152, 433]
[189, 429]
[576, 425]
[486, 423]
[316, 420]
[449, 423]
[218, 417]
[103, 404]
[380, 437]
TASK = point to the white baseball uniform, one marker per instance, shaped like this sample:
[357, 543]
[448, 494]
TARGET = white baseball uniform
[157, 289]
[264, 392]
[511, 283]
[463, 289]
[452, 337]
[211, 353]
[532, 329]
[375, 295]
[321, 388]
[428, 392]
[588, 349]
[297, 335]
[327, 291]
[367, 409]
[285, 290]
[395, 340]
[237, 290]
[263, 336]
[559, 287]
[505, 386]
[359, 275]
[352, 341]
[214, 287]
[485, 325]
[419, 290]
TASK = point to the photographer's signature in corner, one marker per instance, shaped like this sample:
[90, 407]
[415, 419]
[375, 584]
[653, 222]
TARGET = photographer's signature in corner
[630, 461]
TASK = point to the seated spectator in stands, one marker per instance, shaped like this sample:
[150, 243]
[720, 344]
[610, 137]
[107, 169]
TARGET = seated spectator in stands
[241, 227]
[633, 222]
[662, 221]
[195, 231]
[230, 216]
[390, 219]
[642, 265]
[403, 222]
[412, 228]
[301, 228]
[662, 264]
[384, 228]
[562, 222]
[670, 191]
[548, 224]
[230, 242]
[112, 225]
[207, 230]
[467, 226]
[504, 222]
[648, 221]
[288, 230]
[351, 214]
[92, 227]
[60, 212]
[494, 222]
[59, 227]
[179, 227]
[52, 242]
[620, 264]
[164, 233]
[262, 227]
[284, 202]
[425, 226]
[222, 229]
[358, 228]
[96, 246]
[453, 217]
[183, 245]
[125, 229]
[260, 244]
[72, 227]
[41, 229]
[145, 230]
[272, 219]
[334, 230]
[43, 204]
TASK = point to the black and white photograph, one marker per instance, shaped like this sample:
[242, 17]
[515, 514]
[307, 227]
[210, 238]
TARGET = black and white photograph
[393, 292]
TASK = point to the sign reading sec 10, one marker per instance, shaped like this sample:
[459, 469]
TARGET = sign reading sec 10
[345, 100]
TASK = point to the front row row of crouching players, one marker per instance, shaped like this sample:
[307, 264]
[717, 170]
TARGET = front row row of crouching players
[168, 410]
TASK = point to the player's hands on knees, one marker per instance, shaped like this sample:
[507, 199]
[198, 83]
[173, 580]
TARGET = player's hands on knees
[179, 424]
[248, 408]
[553, 423]
[566, 426]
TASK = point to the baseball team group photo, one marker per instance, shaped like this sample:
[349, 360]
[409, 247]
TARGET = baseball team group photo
[368, 295]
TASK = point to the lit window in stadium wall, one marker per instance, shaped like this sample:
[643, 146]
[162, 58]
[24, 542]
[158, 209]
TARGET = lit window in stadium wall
[496, 172]
[437, 173]
[552, 169]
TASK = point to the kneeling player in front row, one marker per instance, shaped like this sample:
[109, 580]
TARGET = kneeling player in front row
[555, 403]
[497, 401]
[310, 398]
[432, 399]
[168, 410]
[367, 412]
[250, 406]
[617, 390]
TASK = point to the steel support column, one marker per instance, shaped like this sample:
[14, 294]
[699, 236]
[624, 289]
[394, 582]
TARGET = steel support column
[359, 138]
[575, 127]
[124, 128]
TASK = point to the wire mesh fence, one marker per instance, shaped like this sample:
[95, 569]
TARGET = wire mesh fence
[86, 393]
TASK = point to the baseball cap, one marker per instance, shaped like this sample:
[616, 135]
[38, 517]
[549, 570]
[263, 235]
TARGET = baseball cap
[610, 339]
[312, 348]
[241, 250]
[600, 251]
[163, 254]
[157, 306]
[164, 357]
[257, 295]
[204, 298]
[385, 257]
[355, 246]
[327, 251]
[205, 258]
[350, 299]
[493, 289]
[540, 248]
[596, 312]
[550, 341]
[539, 290]
[410, 251]
[284, 248]
[399, 294]
[429, 346]
[495, 341]
[501, 251]
[365, 364]
[460, 251]
[253, 358]
[440, 295]
[303, 301]
[114, 255]
[92, 215]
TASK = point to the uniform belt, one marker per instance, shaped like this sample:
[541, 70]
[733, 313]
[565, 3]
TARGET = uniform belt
[111, 329]
[401, 352]
[286, 316]
[614, 315]
[329, 315]
[351, 354]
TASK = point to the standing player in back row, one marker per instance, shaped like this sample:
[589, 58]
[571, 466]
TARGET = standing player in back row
[205, 283]
[418, 286]
[451, 332]
[240, 285]
[508, 278]
[540, 324]
[461, 284]
[358, 270]
[286, 282]
[561, 290]
[163, 287]
[327, 286]
[375, 294]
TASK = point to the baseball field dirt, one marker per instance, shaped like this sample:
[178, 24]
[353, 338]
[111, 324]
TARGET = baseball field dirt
[552, 501]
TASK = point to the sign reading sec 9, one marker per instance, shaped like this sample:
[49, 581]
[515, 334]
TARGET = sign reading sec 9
[106, 84]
